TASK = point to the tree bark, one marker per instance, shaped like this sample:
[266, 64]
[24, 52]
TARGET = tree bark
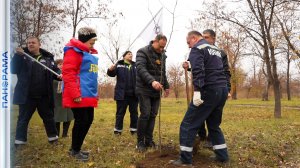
[288, 91]
[277, 110]
[75, 18]
[265, 94]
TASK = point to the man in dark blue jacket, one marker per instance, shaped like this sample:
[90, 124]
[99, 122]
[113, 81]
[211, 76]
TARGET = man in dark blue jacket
[125, 71]
[34, 89]
[210, 36]
[210, 94]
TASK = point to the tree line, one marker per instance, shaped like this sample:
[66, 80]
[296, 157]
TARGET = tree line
[266, 33]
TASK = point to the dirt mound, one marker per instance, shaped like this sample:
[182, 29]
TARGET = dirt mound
[161, 159]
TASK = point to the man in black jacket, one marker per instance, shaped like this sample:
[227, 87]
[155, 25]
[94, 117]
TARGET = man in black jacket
[125, 71]
[150, 81]
[34, 89]
[210, 94]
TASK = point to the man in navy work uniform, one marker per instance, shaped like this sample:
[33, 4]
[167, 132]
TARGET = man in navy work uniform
[210, 94]
[210, 36]
[125, 71]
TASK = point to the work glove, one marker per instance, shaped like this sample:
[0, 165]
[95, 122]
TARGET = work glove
[197, 98]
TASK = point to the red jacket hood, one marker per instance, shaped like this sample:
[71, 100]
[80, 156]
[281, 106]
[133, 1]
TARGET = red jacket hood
[78, 44]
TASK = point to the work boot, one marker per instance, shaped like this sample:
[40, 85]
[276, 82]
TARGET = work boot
[216, 159]
[150, 144]
[180, 163]
[141, 147]
[66, 126]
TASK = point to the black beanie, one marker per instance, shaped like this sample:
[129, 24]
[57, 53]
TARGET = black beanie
[84, 38]
[125, 53]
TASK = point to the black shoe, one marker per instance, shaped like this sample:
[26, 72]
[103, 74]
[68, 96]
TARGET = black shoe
[141, 147]
[117, 133]
[19, 146]
[216, 159]
[54, 142]
[208, 144]
[180, 163]
[87, 153]
[79, 156]
[133, 132]
[150, 144]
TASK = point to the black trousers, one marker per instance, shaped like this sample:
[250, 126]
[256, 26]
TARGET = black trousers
[146, 122]
[25, 113]
[122, 105]
[83, 120]
[203, 132]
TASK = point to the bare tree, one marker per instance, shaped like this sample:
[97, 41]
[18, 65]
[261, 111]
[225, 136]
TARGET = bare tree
[287, 16]
[34, 18]
[175, 74]
[260, 26]
[232, 42]
[230, 38]
[288, 21]
[113, 42]
[173, 19]
[80, 10]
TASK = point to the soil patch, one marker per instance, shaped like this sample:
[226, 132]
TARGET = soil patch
[161, 159]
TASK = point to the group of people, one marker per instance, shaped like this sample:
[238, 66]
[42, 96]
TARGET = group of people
[138, 83]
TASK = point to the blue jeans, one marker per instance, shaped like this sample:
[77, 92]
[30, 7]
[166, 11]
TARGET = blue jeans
[25, 113]
[211, 110]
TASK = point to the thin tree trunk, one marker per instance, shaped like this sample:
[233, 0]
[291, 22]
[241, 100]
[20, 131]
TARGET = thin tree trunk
[265, 94]
[277, 110]
[38, 31]
[288, 91]
[234, 84]
[234, 91]
[75, 18]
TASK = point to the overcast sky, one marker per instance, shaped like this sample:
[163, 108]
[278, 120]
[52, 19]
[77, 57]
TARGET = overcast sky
[137, 15]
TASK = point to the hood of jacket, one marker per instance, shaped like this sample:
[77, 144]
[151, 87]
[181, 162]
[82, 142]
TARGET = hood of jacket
[78, 44]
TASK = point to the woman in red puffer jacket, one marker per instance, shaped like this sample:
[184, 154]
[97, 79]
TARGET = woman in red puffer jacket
[80, 72]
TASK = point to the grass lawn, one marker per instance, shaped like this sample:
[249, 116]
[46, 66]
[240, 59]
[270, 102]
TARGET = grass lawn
[253, 136]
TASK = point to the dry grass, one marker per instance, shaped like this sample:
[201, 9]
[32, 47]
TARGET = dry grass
[254, 138]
